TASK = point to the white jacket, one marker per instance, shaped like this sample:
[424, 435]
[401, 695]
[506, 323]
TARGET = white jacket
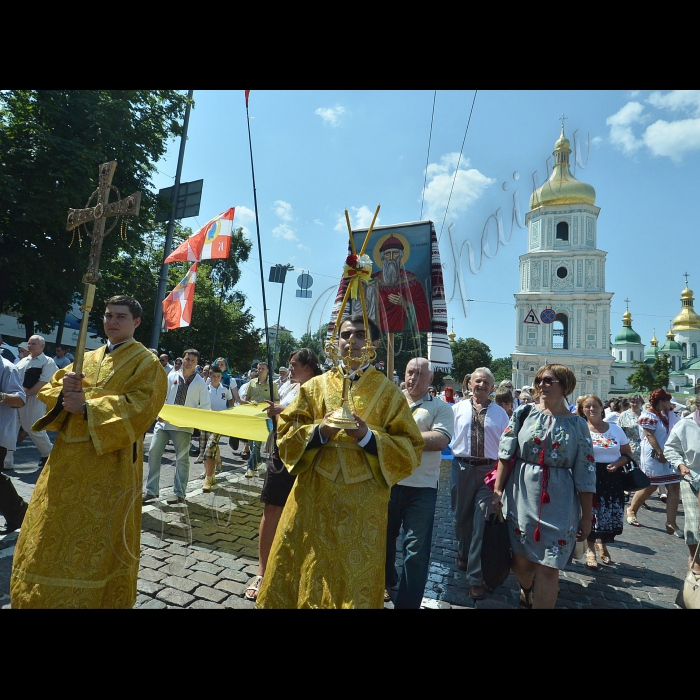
[197, 396]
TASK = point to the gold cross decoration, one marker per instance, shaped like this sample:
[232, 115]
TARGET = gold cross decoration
[627, 301]
[686, 275]
[561, 119]
[98, 214]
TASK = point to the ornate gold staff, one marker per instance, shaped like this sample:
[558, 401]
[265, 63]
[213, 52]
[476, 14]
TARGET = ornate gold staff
[98, 214]
[358, 268]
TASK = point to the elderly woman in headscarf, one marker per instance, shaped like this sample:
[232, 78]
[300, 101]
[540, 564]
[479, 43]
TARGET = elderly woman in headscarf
[682, 450]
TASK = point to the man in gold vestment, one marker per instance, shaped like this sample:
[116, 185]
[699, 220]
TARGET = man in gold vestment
[80, 540]
[329, 549]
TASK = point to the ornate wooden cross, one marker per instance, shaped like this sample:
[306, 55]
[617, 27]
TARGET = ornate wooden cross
[98, 215]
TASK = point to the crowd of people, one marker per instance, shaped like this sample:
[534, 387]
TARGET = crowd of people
[335, 499]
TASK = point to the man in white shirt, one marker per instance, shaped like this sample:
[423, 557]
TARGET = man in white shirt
[35, 370]
[61, 358]
[412, 501]
[12, 397]
[221, 398]
[165, 361]
[479, 424]
[185, 388]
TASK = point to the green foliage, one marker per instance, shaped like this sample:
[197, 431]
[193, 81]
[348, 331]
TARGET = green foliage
[468, 355]
[647, 378]
[315, 341]
[51, 144]
[286, 345]
[502, 368]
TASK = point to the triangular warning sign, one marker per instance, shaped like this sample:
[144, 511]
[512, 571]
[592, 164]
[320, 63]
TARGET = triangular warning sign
[532, 317]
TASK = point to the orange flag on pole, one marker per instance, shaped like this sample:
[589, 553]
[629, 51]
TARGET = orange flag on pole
[177, 306]
[212, 241]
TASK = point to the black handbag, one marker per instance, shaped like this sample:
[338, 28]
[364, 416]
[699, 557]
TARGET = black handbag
[632, 477]
[495, 552]
[31, 376]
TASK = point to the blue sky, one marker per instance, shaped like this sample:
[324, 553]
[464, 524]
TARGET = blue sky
[317, 153]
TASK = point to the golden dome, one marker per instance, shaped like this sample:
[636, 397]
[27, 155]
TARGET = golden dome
[654, 341]
[627, 318]
[562, 187]
[687, 319]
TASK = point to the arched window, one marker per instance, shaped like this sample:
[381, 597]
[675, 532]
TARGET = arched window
[562, 231]
[694, 350]
[560, 333]
[619, 353]
[612, 379]
[673, 363]
[685, 349]
[631, 355]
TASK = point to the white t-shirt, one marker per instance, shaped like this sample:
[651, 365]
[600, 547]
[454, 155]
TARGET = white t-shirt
[219, 397]
[606, 446]
[291, 392]
[46, 363]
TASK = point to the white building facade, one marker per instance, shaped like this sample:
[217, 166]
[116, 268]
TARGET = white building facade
[563, 275]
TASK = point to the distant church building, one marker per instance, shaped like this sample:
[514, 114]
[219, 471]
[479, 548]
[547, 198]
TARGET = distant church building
[562, 276]
[681, 347]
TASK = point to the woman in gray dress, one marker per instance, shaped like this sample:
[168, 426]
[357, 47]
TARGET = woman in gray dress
[549, 493]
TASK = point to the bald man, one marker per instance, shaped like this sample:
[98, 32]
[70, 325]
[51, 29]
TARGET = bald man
[35, 370]
[413, 499]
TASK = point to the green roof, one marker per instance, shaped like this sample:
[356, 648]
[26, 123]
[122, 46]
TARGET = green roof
[627, 336]
[671, 346]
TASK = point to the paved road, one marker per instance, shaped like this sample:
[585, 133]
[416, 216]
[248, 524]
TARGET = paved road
[202, 554]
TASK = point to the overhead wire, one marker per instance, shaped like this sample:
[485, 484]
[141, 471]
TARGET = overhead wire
[427, 158]
[454, 179]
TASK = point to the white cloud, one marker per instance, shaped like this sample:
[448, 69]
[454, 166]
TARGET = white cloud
[283, 210]
[596, 141]
[301, 246]
[331, 115]
[620, 124]
[360, 217]
[671, 138]
[469, 185]
[318, 222]
[244, 215]
[687, 100]
[285, 232]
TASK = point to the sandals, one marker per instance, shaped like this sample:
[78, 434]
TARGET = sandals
[253, 588]
[632, 519]
[671, 530]
[526, 597]
[591, 561]
[199, 460]
[604, 554]
[387, 596]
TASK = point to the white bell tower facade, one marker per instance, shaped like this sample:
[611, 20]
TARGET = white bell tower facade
[563, 275]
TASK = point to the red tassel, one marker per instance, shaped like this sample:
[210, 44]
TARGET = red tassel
[537, 534]
[545, 497]
[541, 460]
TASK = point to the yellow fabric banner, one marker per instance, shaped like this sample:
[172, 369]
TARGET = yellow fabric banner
[248, 422]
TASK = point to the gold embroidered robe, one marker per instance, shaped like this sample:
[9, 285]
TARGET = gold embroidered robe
[80, 539]
[330, 546]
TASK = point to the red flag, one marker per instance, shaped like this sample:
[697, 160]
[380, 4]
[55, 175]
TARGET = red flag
[212, 241]
[247, 92]
[177, 306]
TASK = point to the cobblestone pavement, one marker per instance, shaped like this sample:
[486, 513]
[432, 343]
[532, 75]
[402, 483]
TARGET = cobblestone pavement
[203, 553]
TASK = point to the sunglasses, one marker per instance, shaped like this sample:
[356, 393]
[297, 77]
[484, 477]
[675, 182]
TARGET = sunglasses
[546, 381]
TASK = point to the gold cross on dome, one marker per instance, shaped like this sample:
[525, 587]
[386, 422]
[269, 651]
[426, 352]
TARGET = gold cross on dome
[561, 119]
[686, 275]
[627, 301]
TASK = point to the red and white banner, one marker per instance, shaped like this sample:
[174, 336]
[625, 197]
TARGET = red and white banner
[212, 241]
[177, 306]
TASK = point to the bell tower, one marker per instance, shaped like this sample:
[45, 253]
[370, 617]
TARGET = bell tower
[562, 277]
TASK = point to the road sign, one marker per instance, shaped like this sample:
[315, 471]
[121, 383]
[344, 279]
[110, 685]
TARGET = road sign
[532, 318]
[305, 280]
[189, 197]
[548, 316]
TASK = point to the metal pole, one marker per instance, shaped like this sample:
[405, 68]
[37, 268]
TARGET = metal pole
[277, 335]
[163, 280]
[260, 256]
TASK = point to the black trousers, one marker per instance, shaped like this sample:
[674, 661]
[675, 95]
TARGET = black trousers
[12, 505]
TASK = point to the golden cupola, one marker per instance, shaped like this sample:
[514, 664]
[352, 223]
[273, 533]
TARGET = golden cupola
[562, 187]
[687, 319]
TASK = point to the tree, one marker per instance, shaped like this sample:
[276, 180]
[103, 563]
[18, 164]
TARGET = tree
[286, 345]
[315, 341]
[502, 368]
[650, 377]
[51, 143]
[467, 355]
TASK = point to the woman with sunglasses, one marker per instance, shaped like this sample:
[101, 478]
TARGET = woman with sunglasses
[549, 493]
